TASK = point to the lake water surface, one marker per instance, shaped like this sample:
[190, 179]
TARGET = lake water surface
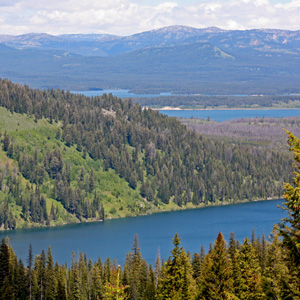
[120, 93]
[114, 238]
[224, 115]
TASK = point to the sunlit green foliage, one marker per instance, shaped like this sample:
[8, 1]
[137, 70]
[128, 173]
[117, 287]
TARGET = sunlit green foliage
[68, 158]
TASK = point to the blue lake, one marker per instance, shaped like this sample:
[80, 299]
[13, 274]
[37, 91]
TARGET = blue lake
[224, 115]
[114, 238]
[217, 115]
[121, 93]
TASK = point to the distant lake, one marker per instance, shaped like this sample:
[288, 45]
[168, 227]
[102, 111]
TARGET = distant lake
[224, 115]
[217, 115]
[114, 238]
[121, 93]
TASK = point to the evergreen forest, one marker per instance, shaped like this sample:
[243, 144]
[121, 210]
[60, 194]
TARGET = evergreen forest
[67, 158]
[259, 268]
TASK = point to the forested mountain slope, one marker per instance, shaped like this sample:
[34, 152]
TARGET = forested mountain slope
[256, 269]
[69, 158]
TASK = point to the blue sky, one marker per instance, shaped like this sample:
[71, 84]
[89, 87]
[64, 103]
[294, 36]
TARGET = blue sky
[126, 17]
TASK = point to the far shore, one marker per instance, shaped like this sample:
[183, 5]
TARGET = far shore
[219, 108]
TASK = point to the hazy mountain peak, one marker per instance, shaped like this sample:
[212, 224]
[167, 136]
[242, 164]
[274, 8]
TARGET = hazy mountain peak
[89, 37]
[34, 35]
[270, 40]
[5, 38]
[174, 28]
[181, 31]
[213, 29]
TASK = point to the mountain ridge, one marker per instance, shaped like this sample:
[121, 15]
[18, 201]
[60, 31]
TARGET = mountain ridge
[156, 37]
[266, 61]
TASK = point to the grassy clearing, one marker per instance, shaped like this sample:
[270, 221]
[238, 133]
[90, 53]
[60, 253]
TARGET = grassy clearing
[118, 199]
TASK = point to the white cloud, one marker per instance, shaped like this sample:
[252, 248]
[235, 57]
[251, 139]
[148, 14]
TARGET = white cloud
[167, 5]
[130, 16]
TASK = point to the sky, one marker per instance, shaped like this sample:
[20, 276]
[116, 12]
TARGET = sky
[126, 17]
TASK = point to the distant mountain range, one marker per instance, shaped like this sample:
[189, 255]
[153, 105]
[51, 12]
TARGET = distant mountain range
[105, 45]
[173, 59]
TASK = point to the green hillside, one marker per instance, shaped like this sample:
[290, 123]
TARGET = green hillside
[30, 195]
[67, 158]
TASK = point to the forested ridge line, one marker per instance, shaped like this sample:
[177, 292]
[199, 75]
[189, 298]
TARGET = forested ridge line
[73, 158]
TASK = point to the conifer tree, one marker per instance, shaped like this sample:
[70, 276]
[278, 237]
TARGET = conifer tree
[290, 227]
[276, 282]
[150, 290]
[7, 289]
[197, 264]
[157, 268]
[107, 270]
[137, 271]
[216, 282]
[40, 271]
[29, 268]
[50, 291]
[75, 280]
[6, 141]
[21, 282]
[177, 281]
[249, 286]
[232, 246]
[97, 282]
[61, 286]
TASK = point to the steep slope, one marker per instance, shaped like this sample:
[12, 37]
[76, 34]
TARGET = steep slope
[69, 158]
[43, 182]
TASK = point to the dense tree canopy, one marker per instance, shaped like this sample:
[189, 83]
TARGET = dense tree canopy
[256, 269]
[158, 157]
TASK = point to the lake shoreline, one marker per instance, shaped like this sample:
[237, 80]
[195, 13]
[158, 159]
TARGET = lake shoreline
[165, 108]
[113, 238]
[168, 209]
